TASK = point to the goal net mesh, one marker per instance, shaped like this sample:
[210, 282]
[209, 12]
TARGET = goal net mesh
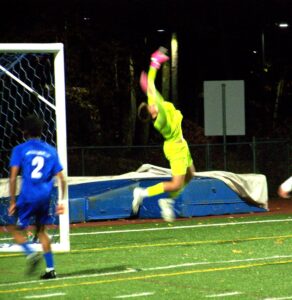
[27, 86]
[36, 71]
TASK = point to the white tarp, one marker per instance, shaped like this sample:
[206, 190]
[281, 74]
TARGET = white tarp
[252, 187]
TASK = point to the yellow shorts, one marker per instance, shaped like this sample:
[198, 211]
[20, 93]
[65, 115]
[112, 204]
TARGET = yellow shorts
[178, 155]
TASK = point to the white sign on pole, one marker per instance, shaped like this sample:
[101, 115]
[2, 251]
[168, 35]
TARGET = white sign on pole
[224, 99]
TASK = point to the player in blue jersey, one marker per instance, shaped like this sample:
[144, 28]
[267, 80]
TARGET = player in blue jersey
[39, 164]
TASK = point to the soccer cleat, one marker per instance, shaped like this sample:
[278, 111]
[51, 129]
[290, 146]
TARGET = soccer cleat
[49, 275]
[138, 198]
[158, 58]
[33, 260]
[166, 206]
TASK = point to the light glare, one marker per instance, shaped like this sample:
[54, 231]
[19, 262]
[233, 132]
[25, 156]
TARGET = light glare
[283, 25]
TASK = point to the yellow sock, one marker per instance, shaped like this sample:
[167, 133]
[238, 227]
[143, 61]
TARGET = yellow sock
[155, 189]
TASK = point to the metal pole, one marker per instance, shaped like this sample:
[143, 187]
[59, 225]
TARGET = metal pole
[224, 123]
[263, 51]
[83, 162]
[288, 160]
[208, 167]
[254, 155]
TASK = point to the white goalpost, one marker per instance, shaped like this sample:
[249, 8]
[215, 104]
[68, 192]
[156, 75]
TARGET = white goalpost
[32, 80]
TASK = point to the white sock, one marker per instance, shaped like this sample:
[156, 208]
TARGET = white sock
[49, 269]
[144, 193]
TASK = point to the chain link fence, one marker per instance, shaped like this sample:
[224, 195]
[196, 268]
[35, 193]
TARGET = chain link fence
[271, 158]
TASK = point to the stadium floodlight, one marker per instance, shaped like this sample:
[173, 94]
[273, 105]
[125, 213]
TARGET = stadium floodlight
[32, 80]
[283, 25]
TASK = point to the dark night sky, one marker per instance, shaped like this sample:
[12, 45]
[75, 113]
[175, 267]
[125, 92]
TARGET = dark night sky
[222, 33]
[217, 38]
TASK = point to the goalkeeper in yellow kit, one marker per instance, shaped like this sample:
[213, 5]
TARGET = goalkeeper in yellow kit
[167, 121]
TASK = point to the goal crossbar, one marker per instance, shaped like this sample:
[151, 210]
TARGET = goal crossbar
[31, 47]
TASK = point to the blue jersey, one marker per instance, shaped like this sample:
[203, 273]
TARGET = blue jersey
[39, 163]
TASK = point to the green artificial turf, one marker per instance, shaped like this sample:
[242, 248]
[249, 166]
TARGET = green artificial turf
[200, 258]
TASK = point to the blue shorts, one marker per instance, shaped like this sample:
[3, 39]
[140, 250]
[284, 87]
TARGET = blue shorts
[28, 210]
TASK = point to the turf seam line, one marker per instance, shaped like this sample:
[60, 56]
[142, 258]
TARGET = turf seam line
[182, 243]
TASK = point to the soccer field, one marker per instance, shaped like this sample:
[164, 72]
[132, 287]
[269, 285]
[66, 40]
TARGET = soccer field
[200, 258]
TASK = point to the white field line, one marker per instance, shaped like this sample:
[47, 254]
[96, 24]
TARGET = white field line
[71, 277]
[173, 227]
[6, 239]
[280, 298]
[135, 295]
[44, 296]
[224, 295]
[133, 270]
[181, 227]
[216, 262]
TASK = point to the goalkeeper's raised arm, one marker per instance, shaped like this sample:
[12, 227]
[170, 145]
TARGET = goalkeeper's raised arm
[155, 100]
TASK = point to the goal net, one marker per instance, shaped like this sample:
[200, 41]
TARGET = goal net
[32, 81]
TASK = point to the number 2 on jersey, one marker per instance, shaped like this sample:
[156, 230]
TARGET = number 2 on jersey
[38, 162]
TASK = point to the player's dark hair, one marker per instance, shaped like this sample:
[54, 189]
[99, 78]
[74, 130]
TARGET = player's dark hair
[32, 126]
[143, 112]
